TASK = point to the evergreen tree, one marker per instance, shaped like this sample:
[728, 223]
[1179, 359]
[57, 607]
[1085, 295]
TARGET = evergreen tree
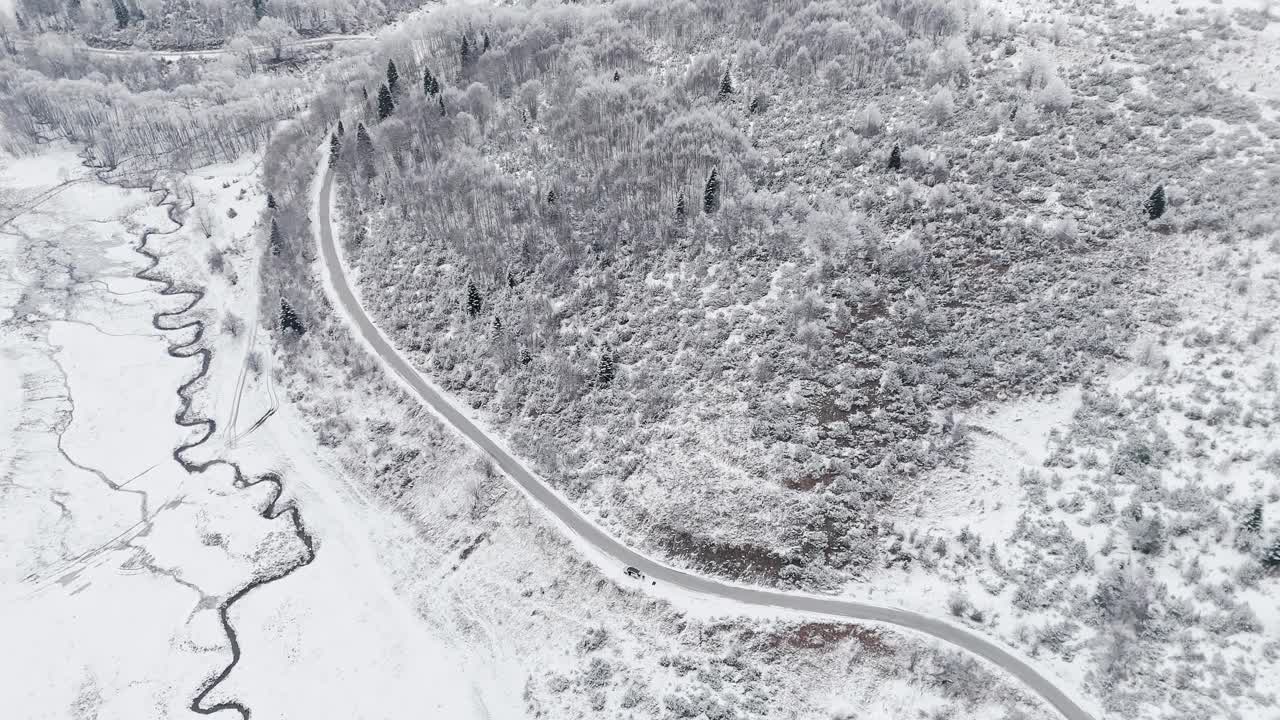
[259, 9]
[474, 302]
[335, 147]
[465, 55]
[1253, 521]
[551, 196]
[617, 75]
[525, 357]
[122, 13]
[754, 107]
[364, 149]
[276, 241]
[364, 91]
[271, 201]
[393, 77]
[1271, 558]
[442, 110]
[895, 159]
[430, 86]
[711, 195]
[497, 326]
[726, 83]
[485, 37]
[680, 208]
[1155, 204]
[605, 372]
[386, 105]
[289, 320]
[341, 130]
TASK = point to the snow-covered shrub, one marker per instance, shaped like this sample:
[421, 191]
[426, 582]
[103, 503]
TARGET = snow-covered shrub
[1059, 31]
[1064, 230]
[941, 105]
[232, 324]
[1054, 96]
[1028, 121]
[1035, 70]
[915, 159]
[1127, 596]
[868, 121]
[950, 63]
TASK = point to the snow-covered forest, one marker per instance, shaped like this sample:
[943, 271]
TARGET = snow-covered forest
[771, 247]
[188, 24]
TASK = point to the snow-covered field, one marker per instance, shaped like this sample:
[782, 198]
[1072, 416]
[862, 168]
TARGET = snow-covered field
[100, 587]
[115, 559]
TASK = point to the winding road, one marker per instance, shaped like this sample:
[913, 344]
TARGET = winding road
[563, 512]
[319, 40]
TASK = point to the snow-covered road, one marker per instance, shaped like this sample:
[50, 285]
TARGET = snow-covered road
[214, 52]
[585, 532]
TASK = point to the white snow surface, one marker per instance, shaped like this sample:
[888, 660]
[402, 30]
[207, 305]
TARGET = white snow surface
[113, 594]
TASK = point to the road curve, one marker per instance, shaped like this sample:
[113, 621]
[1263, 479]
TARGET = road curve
[210, 52]
[559, 507]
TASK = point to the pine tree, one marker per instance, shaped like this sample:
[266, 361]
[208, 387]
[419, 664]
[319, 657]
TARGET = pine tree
[1271, 558]
[341, 130]
[754, 107]
[335, 147]
[726, 83]
[551, 196]
[485, 37]
[276, 241]
[497, 326]
[289, 320]
[364, 149]
[386, 105]
[711, 195]
[430, 86]
[442, 110]
[1155, 204]
[895, 158]
[617, 75]
[259, 9]
[271, 201]
[680, 208]
[525, 356]
[393, 77]
[1253, 521]
[466, 52]
[605, 372]
[474, 302]
[122, 13]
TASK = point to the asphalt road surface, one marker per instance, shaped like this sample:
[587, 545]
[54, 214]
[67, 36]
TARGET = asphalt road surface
[211, 52]
[552, 502]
